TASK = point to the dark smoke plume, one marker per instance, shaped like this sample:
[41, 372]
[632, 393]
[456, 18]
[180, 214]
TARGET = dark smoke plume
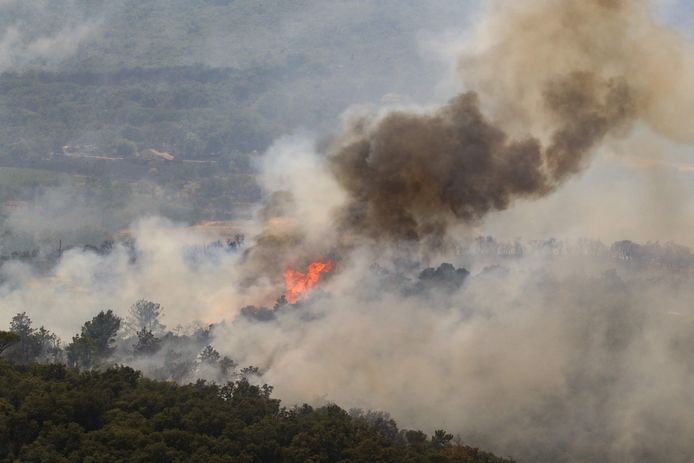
[550, 81]
[408, 175]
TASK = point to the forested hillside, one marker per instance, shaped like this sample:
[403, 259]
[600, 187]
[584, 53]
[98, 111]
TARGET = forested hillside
[52, 413]
[204, 77]
[192, 111]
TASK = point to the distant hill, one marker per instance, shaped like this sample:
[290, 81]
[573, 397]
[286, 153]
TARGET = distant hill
[206, 80]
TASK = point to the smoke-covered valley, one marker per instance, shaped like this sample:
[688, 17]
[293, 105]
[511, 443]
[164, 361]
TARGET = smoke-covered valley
[503, 228]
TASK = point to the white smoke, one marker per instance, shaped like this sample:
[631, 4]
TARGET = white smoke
[19, 49]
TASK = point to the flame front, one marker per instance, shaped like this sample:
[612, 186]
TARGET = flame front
[299, 284]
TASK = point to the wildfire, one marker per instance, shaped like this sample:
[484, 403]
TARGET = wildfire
[299, 284]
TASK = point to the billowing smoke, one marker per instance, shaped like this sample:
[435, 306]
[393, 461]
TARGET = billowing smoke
[521, 46]
[558, 77]
[411, 174]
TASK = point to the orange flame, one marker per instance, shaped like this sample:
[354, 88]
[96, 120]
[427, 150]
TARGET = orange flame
[299, 284]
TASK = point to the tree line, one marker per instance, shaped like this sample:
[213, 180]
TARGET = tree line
[52, 413]
[139, 339]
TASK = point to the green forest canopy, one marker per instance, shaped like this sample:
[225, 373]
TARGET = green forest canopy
[57, 414]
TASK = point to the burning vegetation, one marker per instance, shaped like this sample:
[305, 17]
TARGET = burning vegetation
[300, 284]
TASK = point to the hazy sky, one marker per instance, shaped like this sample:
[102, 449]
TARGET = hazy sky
[681, 13]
